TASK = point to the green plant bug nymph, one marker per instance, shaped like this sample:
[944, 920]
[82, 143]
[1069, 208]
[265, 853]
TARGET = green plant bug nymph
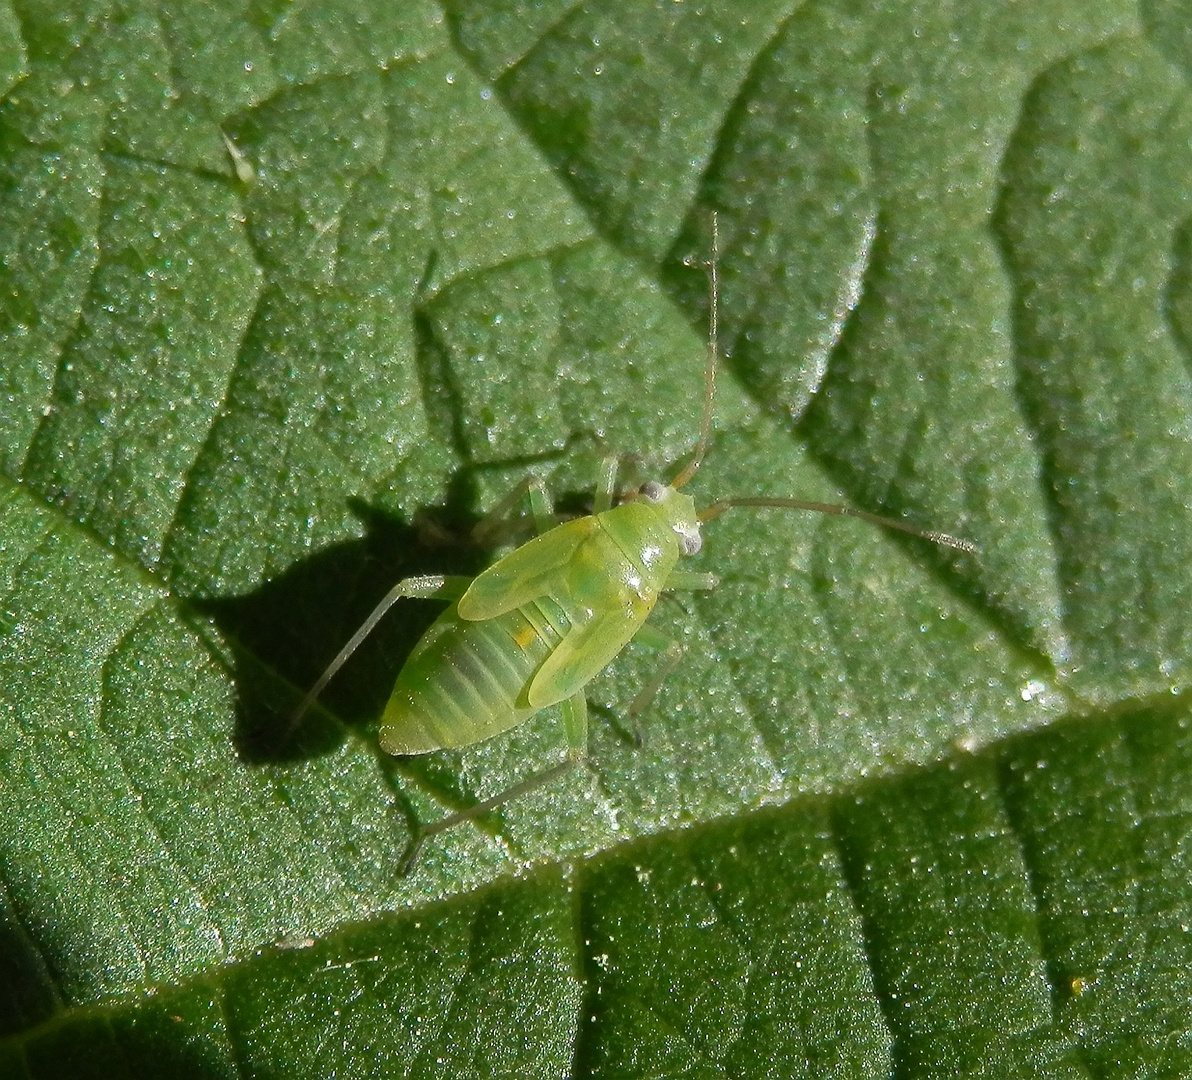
[538, 625]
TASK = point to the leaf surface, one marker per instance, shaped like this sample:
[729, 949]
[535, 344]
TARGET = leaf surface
[291, 294]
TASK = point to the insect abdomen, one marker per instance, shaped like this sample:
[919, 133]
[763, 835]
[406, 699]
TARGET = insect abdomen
[466, 681]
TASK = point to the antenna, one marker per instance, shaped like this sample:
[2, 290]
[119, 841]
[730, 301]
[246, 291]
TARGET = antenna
[941, 538]
[705, 435]
[705, 427]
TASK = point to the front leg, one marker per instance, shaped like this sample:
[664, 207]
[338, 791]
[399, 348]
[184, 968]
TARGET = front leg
[689, 580]
[488, 528]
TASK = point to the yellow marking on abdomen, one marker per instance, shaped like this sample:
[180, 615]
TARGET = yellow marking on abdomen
[524, 636]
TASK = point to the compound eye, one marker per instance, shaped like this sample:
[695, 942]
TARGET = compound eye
[654, 491]
[690, 542]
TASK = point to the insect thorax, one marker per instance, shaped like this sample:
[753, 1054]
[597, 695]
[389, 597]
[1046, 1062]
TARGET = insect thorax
[678, 512]
[655, 529]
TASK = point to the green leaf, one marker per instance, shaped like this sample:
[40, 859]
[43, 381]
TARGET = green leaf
[292, 293]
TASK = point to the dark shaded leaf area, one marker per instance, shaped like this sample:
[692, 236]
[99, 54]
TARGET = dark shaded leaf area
[293, 291]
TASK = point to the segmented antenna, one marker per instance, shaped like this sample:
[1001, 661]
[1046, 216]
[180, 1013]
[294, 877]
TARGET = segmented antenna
[705, 427]
[941, 538]
[705, 436]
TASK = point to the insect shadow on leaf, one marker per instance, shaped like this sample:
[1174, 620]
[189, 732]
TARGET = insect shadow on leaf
[282, 634]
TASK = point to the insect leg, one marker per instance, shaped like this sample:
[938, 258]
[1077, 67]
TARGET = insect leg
[606, 484]
[425, 587]
[689, 580]
[488, 528]
[670, 653]
[575, 723]
[540, 507]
